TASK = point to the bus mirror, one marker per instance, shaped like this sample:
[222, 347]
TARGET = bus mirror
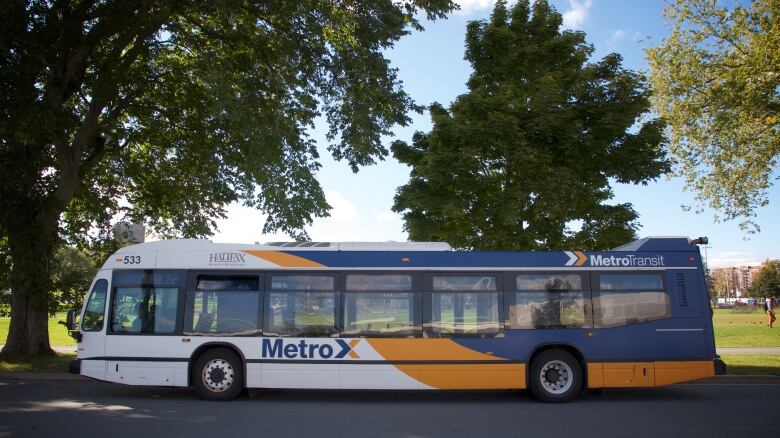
[70, 320]
[700, 241]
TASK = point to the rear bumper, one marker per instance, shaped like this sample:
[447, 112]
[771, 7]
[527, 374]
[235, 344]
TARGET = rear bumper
[74, 367]
[720, 366]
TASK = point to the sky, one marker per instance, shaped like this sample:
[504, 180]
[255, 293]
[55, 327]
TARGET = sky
[430, 64]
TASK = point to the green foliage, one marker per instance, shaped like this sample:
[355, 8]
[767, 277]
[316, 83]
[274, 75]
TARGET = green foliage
[72, 275]
[716, 82]
[182, 107]
[526, 156]
[766, 282]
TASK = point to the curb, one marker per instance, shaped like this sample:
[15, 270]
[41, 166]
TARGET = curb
[730, 379]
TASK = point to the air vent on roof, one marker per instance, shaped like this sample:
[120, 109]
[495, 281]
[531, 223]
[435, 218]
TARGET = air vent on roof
[300, 244]
[682, 291]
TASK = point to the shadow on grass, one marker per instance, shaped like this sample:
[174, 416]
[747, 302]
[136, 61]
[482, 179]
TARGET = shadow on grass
[57, 363]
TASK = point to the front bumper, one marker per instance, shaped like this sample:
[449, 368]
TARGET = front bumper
[74, 367]
[720, 366]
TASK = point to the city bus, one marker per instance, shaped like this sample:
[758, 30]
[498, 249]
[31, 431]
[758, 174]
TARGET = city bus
[224, 317]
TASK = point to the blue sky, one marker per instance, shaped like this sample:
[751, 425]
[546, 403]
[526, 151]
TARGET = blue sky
[432, 68]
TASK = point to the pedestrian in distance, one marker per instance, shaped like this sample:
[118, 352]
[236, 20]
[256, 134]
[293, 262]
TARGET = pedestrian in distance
[770, 312]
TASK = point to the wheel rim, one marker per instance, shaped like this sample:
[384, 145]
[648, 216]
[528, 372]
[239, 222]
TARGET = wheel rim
[218, 375]
[556, 377]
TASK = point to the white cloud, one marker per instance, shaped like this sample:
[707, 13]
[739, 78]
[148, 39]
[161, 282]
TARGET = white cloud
[468, 7]
[342, 209]
[577, 14]
[386, 217]
[731, 258]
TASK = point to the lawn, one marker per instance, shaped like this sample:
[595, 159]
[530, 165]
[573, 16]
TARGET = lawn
[752, 364]
[47, 364]
[58, 335]
[734, 329]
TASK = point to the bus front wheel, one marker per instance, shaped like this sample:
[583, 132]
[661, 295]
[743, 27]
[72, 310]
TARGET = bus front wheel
[555, 376]
[218, 375]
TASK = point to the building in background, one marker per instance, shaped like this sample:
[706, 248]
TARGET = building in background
[730, 284]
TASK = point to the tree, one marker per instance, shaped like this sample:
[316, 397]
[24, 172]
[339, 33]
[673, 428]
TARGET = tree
[178, 108]
[72, 275]
[766, 282]
[716, 82]
[524, 159]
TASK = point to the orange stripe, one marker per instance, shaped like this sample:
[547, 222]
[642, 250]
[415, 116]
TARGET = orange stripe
[284, 259]
[643, 374]
[471, 376]
[426, 349]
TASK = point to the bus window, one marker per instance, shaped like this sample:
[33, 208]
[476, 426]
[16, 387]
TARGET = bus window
[144, 310]
[223, 305]
[624, 299]
[547, 301]
[301, 305]
[464, 305]
[378, 305]
[92, 321]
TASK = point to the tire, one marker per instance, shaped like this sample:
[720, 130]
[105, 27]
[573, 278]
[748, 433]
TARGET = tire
[218, 375]
[555, 376]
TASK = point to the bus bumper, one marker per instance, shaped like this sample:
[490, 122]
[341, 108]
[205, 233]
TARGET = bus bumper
[720, 366]
[74, 367]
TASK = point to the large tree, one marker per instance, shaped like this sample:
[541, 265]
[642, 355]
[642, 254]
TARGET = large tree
[716, 81]
[524, 159]
[177, 108]
[766, 282]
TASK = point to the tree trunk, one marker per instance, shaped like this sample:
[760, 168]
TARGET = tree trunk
[31, 245]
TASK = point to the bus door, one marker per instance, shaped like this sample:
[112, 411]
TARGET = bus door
[143, 341]
[91, 348]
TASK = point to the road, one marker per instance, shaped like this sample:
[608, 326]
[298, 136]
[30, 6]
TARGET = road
[80, 409]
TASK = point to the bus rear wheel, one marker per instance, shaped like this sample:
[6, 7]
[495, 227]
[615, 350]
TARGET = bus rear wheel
[555, 376]
[218, 375]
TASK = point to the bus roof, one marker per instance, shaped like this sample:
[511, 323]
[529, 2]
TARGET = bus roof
[651, 252]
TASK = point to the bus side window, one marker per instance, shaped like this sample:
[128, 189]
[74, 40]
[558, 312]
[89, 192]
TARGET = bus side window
[463, 305]
[624, 299]
[548, 301]
[301, 305]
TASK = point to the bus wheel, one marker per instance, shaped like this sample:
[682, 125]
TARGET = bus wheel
[555, 377]
[218, 375]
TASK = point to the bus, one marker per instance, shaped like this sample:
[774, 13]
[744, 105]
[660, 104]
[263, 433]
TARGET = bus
[224, 317]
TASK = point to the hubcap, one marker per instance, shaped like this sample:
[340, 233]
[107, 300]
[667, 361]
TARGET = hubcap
[556, 377]
[218, 375]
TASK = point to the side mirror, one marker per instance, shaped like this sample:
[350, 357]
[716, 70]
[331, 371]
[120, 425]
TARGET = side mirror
[70, 320]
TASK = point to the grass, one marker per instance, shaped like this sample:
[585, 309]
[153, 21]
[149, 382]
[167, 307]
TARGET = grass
[45, 364]
[58, 334]
[744, 329]
[752, 364]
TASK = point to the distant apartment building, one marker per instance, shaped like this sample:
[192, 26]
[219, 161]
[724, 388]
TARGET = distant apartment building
[733, 281]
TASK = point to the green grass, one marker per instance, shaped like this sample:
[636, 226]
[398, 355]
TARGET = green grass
[752, 364]
[58, 335]
[744, 329]
[45, 364]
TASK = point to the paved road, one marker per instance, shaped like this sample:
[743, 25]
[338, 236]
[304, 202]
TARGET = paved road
[82, 409]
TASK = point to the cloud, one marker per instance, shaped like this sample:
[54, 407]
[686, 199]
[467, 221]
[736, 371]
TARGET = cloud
[575, 17]
[731, 258]
[468, 7]
[614, 38]
[342, 209]
[386, 217]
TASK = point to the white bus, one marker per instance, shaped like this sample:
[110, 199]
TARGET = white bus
[224, 317]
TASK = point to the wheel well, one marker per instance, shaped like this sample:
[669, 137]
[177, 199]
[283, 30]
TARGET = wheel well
[211, 346]
[565, 347]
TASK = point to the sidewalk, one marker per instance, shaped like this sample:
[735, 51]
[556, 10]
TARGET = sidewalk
[762, 350]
